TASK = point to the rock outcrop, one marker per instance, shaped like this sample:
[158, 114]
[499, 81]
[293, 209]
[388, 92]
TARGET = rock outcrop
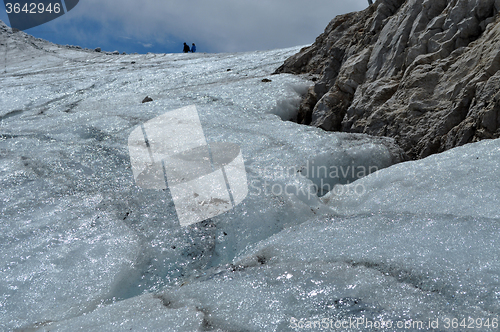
[423, 72]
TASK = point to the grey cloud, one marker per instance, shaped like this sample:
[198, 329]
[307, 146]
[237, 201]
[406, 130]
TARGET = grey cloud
[221, 25]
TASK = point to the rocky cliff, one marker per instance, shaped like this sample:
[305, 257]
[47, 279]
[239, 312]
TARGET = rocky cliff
[423, 72]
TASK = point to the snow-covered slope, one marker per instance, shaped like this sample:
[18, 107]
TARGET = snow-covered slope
[84, 249]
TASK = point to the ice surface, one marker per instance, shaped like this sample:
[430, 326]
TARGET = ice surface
[381, 268]
[459, 182]
[141, 313]
[80, 243]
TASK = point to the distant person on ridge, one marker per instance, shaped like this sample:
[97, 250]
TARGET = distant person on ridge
[193, 48]
[186, 48]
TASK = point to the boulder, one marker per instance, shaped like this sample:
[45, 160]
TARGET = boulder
[422, 72]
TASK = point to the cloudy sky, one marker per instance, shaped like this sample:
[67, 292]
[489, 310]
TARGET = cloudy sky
[161, 26]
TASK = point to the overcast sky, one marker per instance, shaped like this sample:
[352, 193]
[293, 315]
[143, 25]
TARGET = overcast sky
[161, 26]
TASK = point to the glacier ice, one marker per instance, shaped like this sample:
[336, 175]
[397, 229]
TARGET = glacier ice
[84, 248]
[459, 182]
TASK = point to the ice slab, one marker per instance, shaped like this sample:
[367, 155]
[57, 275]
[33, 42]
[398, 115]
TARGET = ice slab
[460, 182]
[141, 313]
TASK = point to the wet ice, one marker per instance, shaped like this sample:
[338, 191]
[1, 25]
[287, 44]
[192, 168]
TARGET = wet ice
[83, 247]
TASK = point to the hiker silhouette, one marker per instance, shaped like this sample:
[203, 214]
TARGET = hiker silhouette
[193, 48]
[186, 48]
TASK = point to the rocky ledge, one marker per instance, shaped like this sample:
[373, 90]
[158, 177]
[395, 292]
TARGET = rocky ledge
[423, 72]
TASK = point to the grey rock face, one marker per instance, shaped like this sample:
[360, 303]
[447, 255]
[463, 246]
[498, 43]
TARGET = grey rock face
[423, 72]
